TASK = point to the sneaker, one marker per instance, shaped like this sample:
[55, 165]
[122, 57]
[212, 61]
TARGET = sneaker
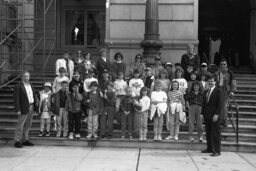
[176, 138]
[89, 136]
[95, 135]
[77, 136]
[141, 138]
[65, 134]
[201, 139]
[55, 128]
[169, 137]
[18, 144]
[58, 134]
[155, 138]
[27, 143]
[131, 138]
[159, 138]
[41, 134]
[47, 134]
[122, 138]
[191, 139]
[71, 136]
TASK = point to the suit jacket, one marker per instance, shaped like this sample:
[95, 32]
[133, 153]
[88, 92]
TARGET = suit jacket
[101, 65]
[21, 99]
[214, 106]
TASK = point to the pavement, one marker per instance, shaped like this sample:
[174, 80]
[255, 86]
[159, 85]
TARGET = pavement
[67, 158]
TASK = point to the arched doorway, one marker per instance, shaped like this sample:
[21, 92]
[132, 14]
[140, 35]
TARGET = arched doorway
[224, 27]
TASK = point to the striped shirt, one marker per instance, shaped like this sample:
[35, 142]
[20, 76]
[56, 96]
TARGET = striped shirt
[175, 96]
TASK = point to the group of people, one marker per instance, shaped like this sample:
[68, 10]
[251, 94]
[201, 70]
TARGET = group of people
[103, 93]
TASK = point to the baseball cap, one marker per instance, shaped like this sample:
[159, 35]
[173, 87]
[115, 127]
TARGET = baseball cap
[204, 64]
[47, 84]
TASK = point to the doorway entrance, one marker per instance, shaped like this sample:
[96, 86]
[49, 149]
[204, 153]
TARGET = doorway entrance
[224, 31]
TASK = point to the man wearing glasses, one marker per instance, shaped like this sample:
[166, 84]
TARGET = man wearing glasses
[227, 83]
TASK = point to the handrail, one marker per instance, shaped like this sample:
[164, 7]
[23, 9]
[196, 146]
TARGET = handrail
[6, 84]
[235, 127]
[47, 59]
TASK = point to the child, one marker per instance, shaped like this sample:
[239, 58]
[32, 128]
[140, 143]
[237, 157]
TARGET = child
[108, 111]
[158, 109]
[136, 83]
[120, 87]
[118, 66]
[59, 101]
[176, 106]
[145, 105]
[89, 80]
[203, 83]
[59, 79]
[183, 85]
[190, 82]
[169, 69]
[73, 106]
[149, 79]
[76, 80]
[94, 109]
[164, 80]
[194, 103]
[44, 109]
[127, 105]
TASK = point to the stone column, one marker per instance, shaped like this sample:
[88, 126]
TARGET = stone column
[151, 42]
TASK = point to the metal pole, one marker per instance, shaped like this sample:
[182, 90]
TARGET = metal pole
[23, 35]
[237, 125]
[44, 42]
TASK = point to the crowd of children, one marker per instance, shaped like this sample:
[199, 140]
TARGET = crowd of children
[158, 93]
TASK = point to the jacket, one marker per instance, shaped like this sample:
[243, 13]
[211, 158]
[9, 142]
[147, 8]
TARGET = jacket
[229, 81]
[74, 103]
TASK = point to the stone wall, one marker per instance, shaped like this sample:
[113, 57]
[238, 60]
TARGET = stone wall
[125, 27]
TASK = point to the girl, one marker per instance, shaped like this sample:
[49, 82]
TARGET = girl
[176, 105]
[194, 103]
[183, 85]
[144, 102]
[85, 66]
[164, 80]
[158, 109]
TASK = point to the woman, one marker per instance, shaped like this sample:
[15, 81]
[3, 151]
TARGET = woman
[85, 66]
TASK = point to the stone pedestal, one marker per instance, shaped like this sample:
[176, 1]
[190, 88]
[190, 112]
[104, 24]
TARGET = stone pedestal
[151, 43]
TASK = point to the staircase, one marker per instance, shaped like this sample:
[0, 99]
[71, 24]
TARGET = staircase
[245, 96]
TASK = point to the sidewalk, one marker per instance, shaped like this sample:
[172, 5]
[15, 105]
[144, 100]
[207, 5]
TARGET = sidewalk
[61, 158]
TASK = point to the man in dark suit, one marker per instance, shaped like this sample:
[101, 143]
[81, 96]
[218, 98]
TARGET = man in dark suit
[25, 102]
[211, 110]
[103, 64]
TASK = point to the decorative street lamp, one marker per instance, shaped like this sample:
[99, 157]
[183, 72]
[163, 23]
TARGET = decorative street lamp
[151, 43]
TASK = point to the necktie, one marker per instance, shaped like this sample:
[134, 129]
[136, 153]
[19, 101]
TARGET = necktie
[67, 67]
[208, 94]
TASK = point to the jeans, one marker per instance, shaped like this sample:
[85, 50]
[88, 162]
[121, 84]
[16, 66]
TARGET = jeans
[127, 118]
[62, 117]
[74, 120]
[137, 122]
[107, 120]
[93, 123]
[158, 125]
[195, 115]
[174, 124]
[144, 124]
[43, 122]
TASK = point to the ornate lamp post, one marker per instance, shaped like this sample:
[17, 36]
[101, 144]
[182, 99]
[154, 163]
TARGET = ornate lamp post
[151, 43]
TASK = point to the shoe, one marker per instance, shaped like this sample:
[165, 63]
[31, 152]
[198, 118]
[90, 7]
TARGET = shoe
[201, 139]
[65, 134]
[77, 136]
[109, 136]
[55, 128]
[58, 135]
[95, 135]
[18, 144]
[41, 134]
[155, 138]
[215, 154]
[206, 151]
[122, 138]
[47, 134]
[102, 136]
[141, 138]
[131, 138]
[176, 138]
[191, 139]
[27, 143]
[169, 137]
[89, 136]
[71, 136]
[159, 138]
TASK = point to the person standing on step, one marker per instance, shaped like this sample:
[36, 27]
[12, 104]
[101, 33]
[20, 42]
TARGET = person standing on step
[227, 83]
[211, 110]
[66, 63]
[118, 65]
[44, 109]
[103, 63]
[25, 103]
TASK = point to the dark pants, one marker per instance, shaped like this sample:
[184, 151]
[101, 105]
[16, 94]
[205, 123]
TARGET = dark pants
[75, 119]
[106, 119]
[213, 135]
[127, 118]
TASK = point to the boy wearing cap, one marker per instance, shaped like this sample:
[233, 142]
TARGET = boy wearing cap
[59, 79]
[149, 79]
[118, 65]
[76, 80]
[157, 67]
[169, 69]
[44, 109]
[94, 100]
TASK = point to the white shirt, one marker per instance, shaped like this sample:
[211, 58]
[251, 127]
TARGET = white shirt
[136, 84]
[145, 103]
[62, 63]
[211, 89]
[120, 87]
[57, 83]
[29, 92]
[87, 83]
[183, 84]
[158, 96]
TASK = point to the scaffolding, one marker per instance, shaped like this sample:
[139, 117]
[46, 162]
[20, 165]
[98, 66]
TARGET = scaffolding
[27, 36]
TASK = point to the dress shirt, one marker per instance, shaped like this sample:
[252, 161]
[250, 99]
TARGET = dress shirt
[29, 92]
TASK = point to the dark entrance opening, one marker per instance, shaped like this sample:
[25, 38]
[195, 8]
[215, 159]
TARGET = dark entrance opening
[224, 29]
